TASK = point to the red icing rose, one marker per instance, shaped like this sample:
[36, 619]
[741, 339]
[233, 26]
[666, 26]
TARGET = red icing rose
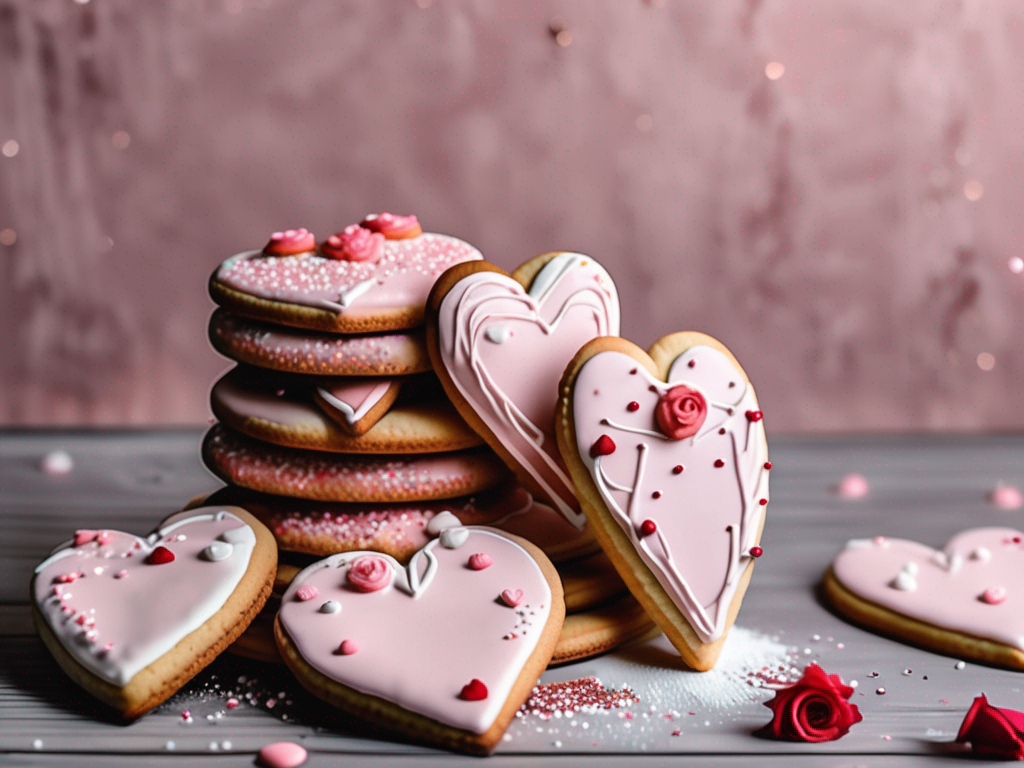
[814, 709]
[290, 242]
[355, 243]
[993, 732]
[393, 227]
[681, 412]
[368, 574]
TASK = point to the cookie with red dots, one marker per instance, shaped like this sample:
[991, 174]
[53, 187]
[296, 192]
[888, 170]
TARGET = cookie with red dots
[961, 600]
[321, 476]
[356, 415]
[132, 619]
[669, 456]
[473, 619]
[369, 277]
[294, 350]
[499, 343]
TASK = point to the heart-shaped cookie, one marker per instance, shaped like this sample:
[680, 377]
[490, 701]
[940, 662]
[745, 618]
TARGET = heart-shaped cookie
[132, 619]
[500, 343]
[669, 456]
[964, 600]
[431, 650]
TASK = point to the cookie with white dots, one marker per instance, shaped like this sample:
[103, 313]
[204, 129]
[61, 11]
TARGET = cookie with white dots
[473, 620]
[369, 277]
[669, 456]
[132, 619]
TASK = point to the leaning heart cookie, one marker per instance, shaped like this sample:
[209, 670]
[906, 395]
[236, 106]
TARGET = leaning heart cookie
[133, 619]
[669, 456]
[499, 344]
[442, 651]
[963, 600]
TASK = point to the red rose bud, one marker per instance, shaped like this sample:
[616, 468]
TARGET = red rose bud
[755, 415]
[681, 412]
[993, 732]
[393, 227]
[159, 556]
[602, 446]
[474, 690]
[290, 242]
[814, 709]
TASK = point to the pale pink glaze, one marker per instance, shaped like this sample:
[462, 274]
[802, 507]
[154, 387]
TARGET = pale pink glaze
[852, 487]
[945, 587]
[399, 280]
[339, 477]
[286, 349]
[142, 610]
[1006, 496]
[706, 516]
[282, 754]
[352, 399]
[418, 652]
[506, 349]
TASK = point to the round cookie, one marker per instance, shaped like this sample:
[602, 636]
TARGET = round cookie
[386, 291]
[132, 619]
[258, 466]
[589, 582]
[602, 629]
[324, 528]
[325, 354]
[280, 410]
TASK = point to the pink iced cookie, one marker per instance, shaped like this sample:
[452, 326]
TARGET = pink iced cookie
[114, 608]
[500, 344]
[669, 454]
[474, 657]
[296, 351]
[963, 600]
[320, 476]
[341, 295]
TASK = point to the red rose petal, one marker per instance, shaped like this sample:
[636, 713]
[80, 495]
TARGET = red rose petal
[159, 556]
[474, 690]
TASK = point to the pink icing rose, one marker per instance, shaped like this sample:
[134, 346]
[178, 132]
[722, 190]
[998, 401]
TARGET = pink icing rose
[290, 242]
[681, 412]
[393, 227]
[368, 574]
[355, 243]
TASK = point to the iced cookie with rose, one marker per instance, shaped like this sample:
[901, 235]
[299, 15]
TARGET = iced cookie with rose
[964, 600]
[499, 344]
[369, 277]
[356, 415]
[320, 476]
[669, 456]
[443, 650]
[132, 619]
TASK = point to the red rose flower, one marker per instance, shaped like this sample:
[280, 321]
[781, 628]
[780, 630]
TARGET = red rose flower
[368, 574]
[681, 412]
[993, 732]
[814, 709]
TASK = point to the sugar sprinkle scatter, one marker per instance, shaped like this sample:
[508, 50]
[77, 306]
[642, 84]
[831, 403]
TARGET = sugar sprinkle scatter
[586, 695]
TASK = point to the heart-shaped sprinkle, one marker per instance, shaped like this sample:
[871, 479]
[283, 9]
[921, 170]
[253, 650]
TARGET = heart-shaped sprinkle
[442, 521]
[159, 556]
[306, 592]
[603, 446]
[453, 538]
[648, 527]
[330, 607]
[474, 690]
[348, 647]
[480, 560]
[512, 597]
[217, 551]
[993, 595]
[754, 415]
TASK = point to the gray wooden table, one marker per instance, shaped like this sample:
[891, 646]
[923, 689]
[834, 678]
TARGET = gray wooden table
[923, 487]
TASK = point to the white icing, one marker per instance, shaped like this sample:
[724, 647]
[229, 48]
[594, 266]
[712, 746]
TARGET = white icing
[905, 582]
[859, 543]
[497, 333]
[352, 415]
[442, 521]
[982, 554]
[453, 538]
[353, 293]
[330, 607]
[236, 536]
[217, 551]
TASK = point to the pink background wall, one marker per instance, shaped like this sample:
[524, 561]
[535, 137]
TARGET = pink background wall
[847, 228]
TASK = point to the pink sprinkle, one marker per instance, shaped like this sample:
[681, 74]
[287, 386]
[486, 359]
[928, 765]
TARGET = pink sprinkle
[840, 646]
[120, 574]
[107, 648]
[186, 715]
[994, 595]
[232, 703]
[348, 647]
[852, 486]
[676, 733]
[80, 621]
[480, 560]
[271, 703]
[512, 597]
[282, 754]
[306, 592]
[887, 738]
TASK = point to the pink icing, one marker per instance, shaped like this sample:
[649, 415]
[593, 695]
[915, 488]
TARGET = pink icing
[945, 587]
[128, 623]
[282, 754]
[438, 627]
[694, 528]
[339, 477]
[282, 349]
[352, 399]
[369, 574]
[480, 560]
[400, 279]
[354, 244]
[852, 486]
[506, 348]
[290, 242]
[1006, 497]
[306, 592]
[393, 227]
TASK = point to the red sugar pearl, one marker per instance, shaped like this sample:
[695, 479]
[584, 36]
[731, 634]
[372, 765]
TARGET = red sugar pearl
[756, 551]
[677, 469]
[692, 363]
[656, 495]
[767, 465]
[633, 406]
[474, 690]
[648, 527]
[764, 502]
[755, 415]
[719, 463]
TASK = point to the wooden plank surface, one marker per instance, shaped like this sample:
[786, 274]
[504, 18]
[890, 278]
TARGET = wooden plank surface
[923, 487]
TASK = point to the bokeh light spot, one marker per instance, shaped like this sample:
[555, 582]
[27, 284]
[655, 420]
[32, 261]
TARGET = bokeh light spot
[8, 237]
[973, 190]
[644, 123]
[121, 140]
[10, 148]
[986, 361]
[774, 70]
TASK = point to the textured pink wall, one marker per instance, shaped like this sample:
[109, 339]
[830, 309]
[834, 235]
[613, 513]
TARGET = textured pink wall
[825, 224]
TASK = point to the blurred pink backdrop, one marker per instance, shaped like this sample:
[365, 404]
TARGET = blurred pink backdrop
[831, 188]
